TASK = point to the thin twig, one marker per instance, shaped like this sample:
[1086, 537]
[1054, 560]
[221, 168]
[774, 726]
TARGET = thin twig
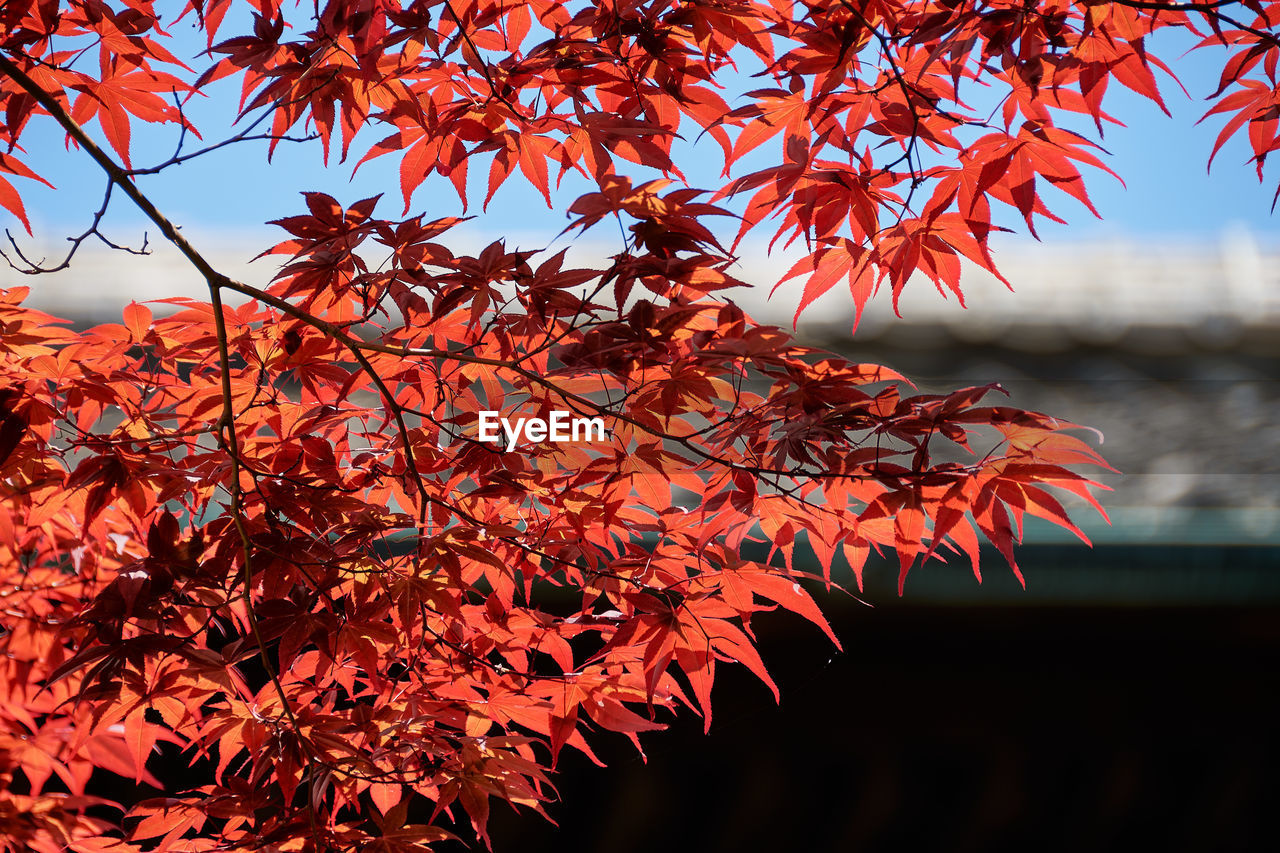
[38, 267]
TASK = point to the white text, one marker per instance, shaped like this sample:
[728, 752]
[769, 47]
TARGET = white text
[560, 427]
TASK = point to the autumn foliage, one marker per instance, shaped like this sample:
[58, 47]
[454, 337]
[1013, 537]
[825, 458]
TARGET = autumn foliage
[260, 531]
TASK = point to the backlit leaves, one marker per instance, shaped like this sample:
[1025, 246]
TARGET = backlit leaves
[268, 536]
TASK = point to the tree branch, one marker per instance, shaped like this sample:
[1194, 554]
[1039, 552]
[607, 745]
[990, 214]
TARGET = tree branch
[37, 268]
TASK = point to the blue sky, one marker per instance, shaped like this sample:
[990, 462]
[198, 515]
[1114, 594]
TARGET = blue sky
[1169, 196]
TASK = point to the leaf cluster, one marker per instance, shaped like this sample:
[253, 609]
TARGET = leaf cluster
[262, 533]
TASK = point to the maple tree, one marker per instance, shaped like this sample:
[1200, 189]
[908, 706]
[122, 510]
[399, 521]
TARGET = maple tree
[264, 532]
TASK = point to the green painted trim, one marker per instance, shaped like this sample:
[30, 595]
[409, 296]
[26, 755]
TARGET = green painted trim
[1142, 525]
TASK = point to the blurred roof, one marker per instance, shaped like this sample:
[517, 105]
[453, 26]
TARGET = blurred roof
[1172, 351]
[1094, 294]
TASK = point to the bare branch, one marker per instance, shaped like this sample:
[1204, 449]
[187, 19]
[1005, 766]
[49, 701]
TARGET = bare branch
[38, 268]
